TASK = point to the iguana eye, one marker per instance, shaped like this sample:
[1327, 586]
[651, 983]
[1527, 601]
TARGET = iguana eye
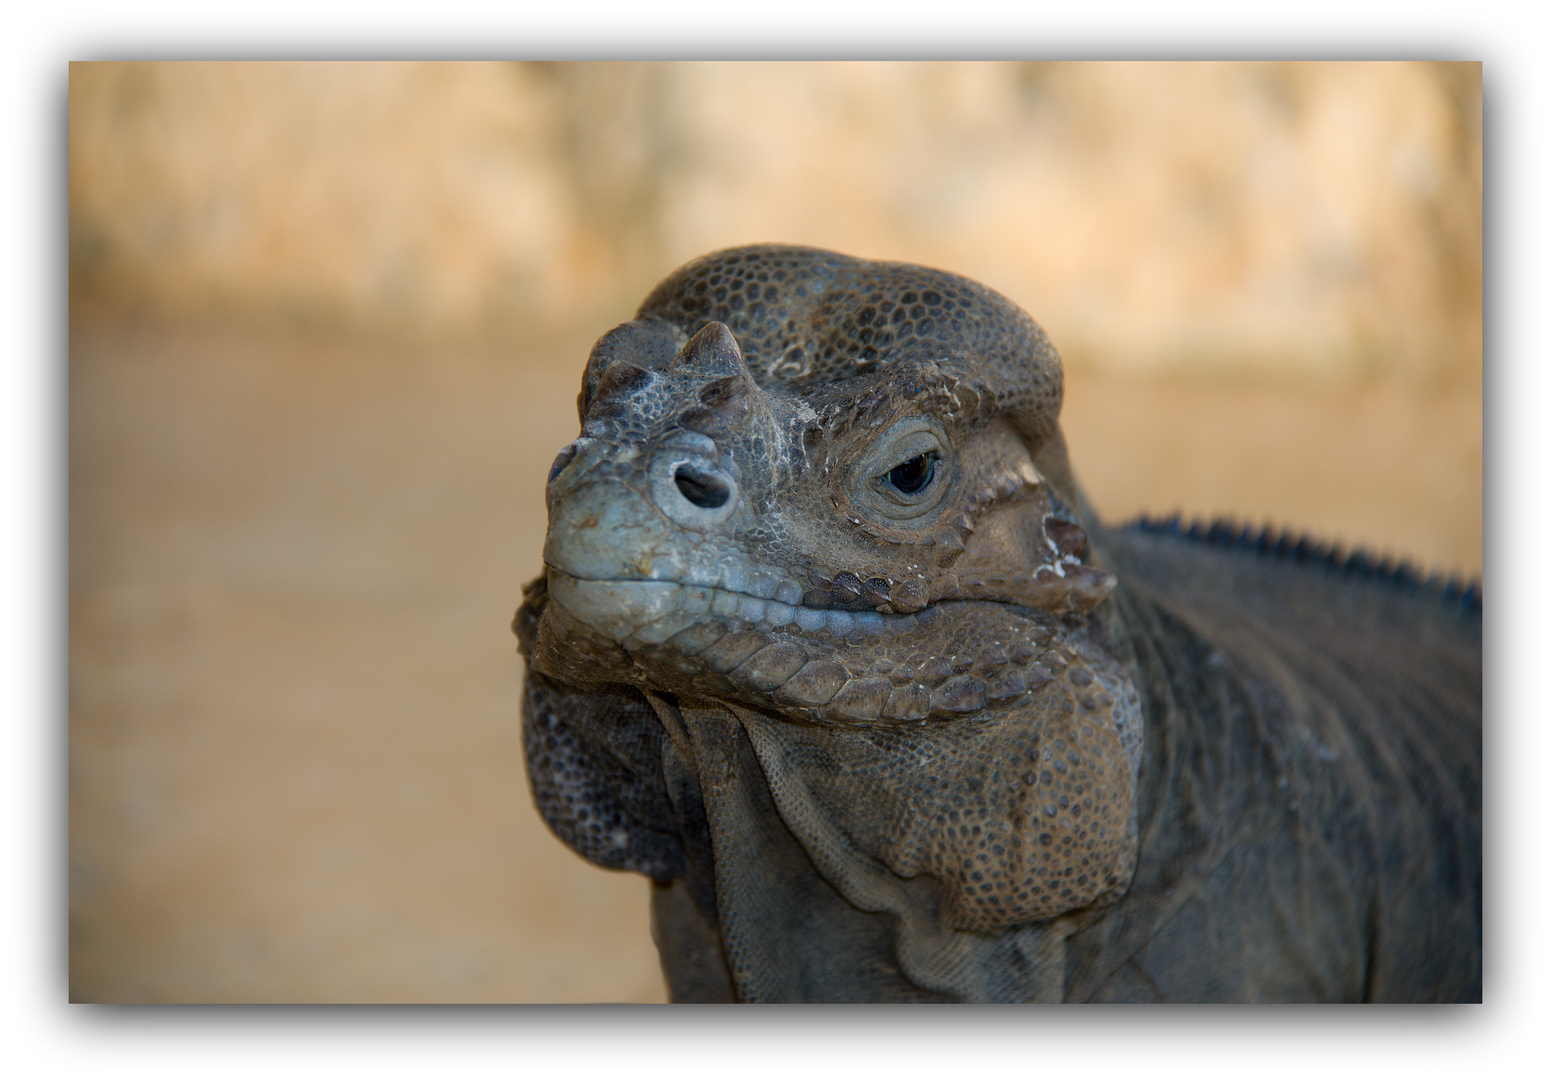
[906, 475]
[908, 478]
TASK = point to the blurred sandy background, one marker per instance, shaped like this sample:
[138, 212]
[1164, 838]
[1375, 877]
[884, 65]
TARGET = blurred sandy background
[326, 327]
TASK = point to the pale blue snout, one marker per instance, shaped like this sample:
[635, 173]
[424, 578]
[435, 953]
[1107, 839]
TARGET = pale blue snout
[610, 519]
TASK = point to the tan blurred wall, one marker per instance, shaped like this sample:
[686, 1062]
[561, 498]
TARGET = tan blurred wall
[1307, 220]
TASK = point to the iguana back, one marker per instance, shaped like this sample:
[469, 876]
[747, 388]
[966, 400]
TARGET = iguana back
[1313, 825]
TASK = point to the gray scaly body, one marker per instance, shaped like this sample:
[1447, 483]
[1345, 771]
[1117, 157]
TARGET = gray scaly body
[830, 647]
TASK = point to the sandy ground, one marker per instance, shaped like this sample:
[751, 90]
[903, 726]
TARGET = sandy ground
[295, 762]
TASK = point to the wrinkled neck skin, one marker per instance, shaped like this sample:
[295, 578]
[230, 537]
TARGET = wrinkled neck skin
[863, 609]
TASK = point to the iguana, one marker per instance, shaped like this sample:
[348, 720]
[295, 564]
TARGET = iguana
[830, 646]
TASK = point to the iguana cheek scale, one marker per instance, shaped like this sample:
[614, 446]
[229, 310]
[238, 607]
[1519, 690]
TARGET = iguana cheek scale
[822, 639]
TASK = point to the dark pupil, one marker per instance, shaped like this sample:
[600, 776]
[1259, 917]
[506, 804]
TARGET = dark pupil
[913, 475]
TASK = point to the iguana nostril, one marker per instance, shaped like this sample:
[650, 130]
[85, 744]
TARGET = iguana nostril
[704, 489]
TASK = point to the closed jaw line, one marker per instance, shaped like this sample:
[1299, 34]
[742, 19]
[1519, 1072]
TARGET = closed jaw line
[748, 584]
[644, 612]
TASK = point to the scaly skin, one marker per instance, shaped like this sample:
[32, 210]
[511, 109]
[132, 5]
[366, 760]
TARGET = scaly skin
[822, 647]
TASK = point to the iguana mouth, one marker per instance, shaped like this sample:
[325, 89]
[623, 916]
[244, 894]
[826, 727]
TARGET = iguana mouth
[714, 641]
[635, 611]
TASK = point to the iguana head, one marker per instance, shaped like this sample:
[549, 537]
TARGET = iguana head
[833, 495]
